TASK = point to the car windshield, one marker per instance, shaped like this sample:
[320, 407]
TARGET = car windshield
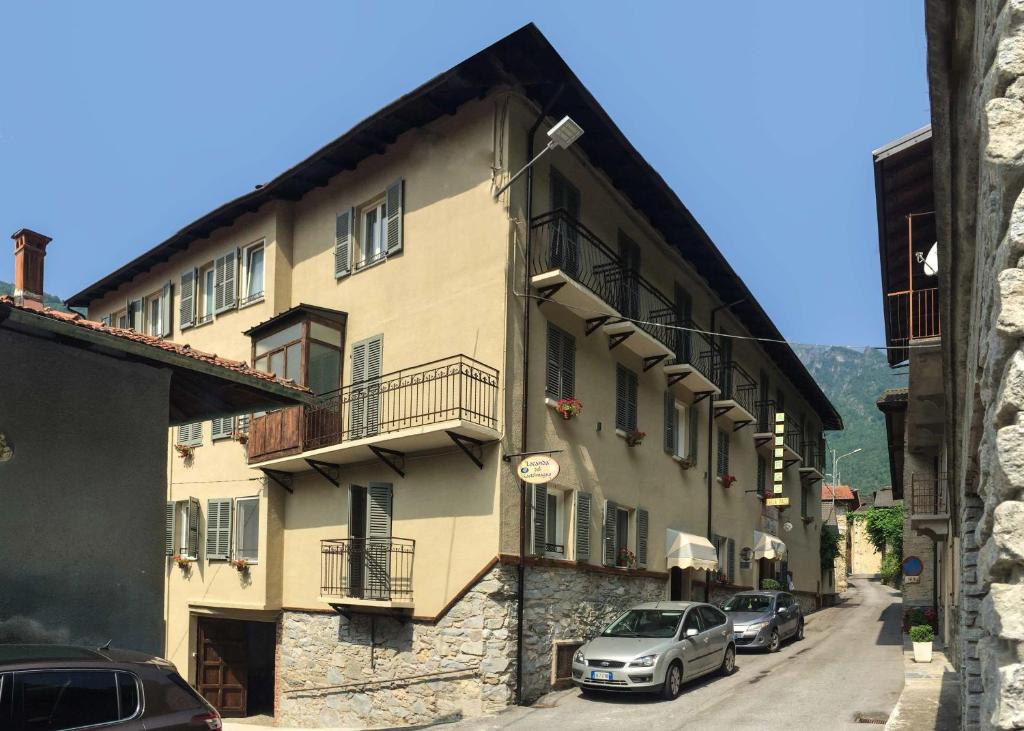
[748, 603]
[645, 623]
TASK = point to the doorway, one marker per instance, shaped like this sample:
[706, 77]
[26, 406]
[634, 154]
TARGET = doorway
[235, 665]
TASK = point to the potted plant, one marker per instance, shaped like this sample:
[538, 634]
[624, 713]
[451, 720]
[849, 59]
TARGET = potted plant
[626, 559]
[569, 407]
[922, 635]
[722, 578]
[727, 480]
[635, 438]
[770, 585]
[185, 451]
[240, 565]
[183, 562]
[241, 437]
[684, 462]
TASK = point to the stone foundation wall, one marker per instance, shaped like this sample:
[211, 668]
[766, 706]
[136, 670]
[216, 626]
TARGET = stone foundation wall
[387, 672]
[864, 558]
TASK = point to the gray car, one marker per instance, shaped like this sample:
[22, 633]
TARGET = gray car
[656, 647]
[762, 620]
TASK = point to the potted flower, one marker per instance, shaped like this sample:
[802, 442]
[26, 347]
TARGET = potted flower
[727, 480]
[635, 438]
[684, 462]
[626, 559]
[922, 635]
[240, 565]
[569, 407]
[241, 437]
[722, 578]
[185, 451]
[183, 562]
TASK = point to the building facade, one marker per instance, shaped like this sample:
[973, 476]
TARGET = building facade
[837, 502]
[360, 558]
[975, 69]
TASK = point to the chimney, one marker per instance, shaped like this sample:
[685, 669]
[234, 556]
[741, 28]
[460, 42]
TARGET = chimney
[29, 250]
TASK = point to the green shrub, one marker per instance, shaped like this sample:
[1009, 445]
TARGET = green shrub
[890, 569]
[770, 585]
[922, 633]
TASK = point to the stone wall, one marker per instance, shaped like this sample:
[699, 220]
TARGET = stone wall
[921, 593]
[864, 558]
[386, 672]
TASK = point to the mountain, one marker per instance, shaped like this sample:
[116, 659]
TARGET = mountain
[853, 380]
[50, 300]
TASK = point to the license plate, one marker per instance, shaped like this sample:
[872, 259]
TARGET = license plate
[737, 635]
[595, 675]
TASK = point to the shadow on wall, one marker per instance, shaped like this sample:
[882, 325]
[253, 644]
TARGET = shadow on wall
[25, 630]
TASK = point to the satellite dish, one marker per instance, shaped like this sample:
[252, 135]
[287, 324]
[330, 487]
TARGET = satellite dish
[930, 261]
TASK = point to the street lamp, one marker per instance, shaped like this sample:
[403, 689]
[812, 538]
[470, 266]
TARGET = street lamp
[835, 473]
[562, 135]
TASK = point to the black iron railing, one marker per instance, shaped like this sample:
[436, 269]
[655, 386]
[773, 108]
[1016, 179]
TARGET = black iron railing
[794, 434]
[929, 494]
[765, 417]
[378, 569]
[695, 348]
[562, 242]
[452, 388]
[813, 454]
[736, 384]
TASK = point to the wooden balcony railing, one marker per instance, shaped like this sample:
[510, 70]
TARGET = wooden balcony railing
[929, 494]
[453, 388]
[911, 315]
[377, 569]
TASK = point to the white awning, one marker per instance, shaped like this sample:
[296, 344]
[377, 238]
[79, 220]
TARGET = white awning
[768, 546]
[686, 551]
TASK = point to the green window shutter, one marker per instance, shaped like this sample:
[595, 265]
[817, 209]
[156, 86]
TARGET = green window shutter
[723, 453]
[222, 428]
[625, 399]
[169, 530]
[192, 550]
[218, 529]
[670, 422]
[343, 243]
[642, 527]
[379, 504]
[165, 311]
[395, 204]
[187, 299]
[553, 363]
[692, 451]
[610, 531]
[540, 525]
[583, 502]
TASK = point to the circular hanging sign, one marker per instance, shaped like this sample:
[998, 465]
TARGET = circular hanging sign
[912, 566]
[537, 469]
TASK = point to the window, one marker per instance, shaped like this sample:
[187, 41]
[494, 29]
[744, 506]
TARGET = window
[218, 528]
[549, 520]
[377, 227]
[120, 319]
[252, 261]
[153, 316]
[582, 518]
[222, 428]
[560, 378]
[625, 399]
[373, 236]
[692, 622]
[307, 351]
[762, 476]
[136, 315]
[711, 617]
[621, 531]
[629, 285]
[182, 528]
[677, 427]
[190, 434]
[247, 528]
[52, 700]
[207, 293]
[723, 453]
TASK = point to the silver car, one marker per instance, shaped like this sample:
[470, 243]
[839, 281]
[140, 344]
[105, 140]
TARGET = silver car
[763, 619]
[655, 647]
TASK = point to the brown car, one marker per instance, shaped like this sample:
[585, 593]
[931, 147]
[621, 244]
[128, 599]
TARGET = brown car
[60, 688]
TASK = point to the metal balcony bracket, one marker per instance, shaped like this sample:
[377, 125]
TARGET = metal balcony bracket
[284, 479]
[701, 395]
[473, 448]
[762, 441]
[675, 378]
[810, 478]
[328, 471]
[392, 458]
[652, 361]
[789, 463]
[617, 339]
[740, 424]
[595, 322]
[722, 410]
[546, 293]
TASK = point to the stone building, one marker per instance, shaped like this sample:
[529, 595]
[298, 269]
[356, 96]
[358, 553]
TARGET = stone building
[976, 78]
[837, 502]
[373, 558]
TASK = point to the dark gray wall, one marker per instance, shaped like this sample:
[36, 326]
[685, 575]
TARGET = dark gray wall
[82, 499]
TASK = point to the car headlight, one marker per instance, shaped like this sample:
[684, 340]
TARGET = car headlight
[579, 657]
[644, 662]
[757, 626]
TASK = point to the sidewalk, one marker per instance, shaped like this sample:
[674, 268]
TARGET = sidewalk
[931, 695]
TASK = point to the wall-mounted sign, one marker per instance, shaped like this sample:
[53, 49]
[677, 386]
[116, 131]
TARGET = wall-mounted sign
[777, 501]
[912, 566]
[5, 450]
[911, 579]
[746, 554]
[538, 469]
[778, 473]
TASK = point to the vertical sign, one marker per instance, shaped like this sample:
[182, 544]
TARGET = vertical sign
[779, 467]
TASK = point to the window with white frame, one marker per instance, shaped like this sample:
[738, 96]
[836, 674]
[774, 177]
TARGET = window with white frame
[181, 535]
[681, 430]
[252, 263]
[373, 233]
[154, 325]
[247, 529]
[554, 538]
[207, 294]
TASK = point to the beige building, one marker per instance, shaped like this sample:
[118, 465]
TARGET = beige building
[357, 559]
[837, 502]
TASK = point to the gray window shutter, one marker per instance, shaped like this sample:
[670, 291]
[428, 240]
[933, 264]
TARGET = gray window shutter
[343, 243]
[762, 471]
[169, 530]
[165, 311]
[621, 398]
[642, 526]
[540, 514]
[610, 530]
[222, 428]
[374, 360]
[187, 296]
[218, 529]
[193, 528]
[568, 366]
[583, 501]
[135, 315]
[694, 425]
[395, 204]
[364, 398]
[225, 282]
[378, 524]
[183, 434]
[553, 363]
[357, 400]
[670, 422]
[723, 453]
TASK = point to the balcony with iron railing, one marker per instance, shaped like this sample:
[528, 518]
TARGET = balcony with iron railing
[929, 504]
[766, 438]
[370, 572]
[812, 463]
[911, 315]
[737, 402]
[426, 406]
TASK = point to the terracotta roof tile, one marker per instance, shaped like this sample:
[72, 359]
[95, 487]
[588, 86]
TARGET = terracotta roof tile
[843, 492]
[179, 348]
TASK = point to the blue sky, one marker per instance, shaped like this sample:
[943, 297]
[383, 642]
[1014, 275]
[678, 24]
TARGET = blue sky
[125, 121]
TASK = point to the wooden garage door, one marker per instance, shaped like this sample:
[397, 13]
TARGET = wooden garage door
[221, 672]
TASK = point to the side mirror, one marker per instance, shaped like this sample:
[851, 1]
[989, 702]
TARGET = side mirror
[692, 632]
[780, 610]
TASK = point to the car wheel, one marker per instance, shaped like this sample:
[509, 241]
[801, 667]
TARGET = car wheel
[728, 662]
[774, 643]
[800, 631]
[673, 682]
